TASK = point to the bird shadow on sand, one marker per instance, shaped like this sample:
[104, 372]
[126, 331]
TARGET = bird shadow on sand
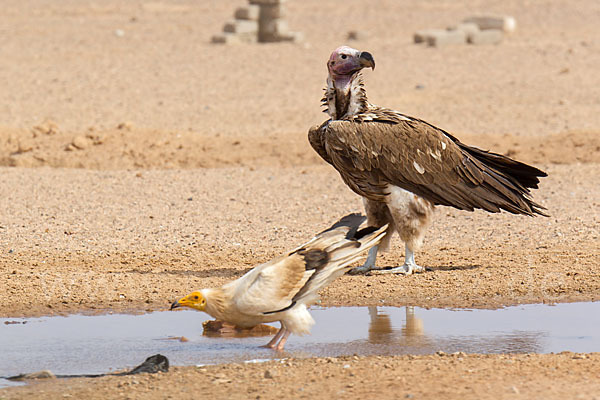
[454, 267]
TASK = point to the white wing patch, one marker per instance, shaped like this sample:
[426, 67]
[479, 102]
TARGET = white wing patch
[437, 155]
[419, 169]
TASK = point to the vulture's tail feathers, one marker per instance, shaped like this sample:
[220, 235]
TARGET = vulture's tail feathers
[507, 182]
[524, 174]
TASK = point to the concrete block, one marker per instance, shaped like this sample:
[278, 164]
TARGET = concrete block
[272, 11]
[271, 31]
[248, 13]
[468, 28]
[422, 35]
[226, 38]
[488, 36]
[445, 38]
[295, 37]
[241, 26]
[505, 23]
[234, 38]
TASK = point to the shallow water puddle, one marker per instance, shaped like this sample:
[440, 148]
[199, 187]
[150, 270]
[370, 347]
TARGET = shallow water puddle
[95, 344]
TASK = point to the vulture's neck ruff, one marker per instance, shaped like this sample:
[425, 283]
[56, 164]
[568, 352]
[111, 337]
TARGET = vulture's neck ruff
[345, 96]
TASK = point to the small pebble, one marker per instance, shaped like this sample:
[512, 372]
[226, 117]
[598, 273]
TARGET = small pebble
[269, 374]
[357, 35]
[80, 142]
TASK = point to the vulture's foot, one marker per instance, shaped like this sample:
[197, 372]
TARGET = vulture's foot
[362, 270]
[368, 265]
[405, 269]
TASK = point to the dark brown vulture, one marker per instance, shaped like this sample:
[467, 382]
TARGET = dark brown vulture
[403, 166]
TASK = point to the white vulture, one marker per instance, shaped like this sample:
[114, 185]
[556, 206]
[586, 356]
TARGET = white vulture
[282, 289]
[403, 166]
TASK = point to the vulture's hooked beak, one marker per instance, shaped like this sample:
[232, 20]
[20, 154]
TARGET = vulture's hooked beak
[175, 305]
[366, 60]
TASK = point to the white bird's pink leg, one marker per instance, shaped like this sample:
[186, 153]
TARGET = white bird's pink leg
[278, 335]
[279, 346]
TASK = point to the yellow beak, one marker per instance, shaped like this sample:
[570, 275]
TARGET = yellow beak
[194, 300]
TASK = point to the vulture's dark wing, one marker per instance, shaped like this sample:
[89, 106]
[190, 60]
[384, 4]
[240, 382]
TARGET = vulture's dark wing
[424, 160]
[315, 138]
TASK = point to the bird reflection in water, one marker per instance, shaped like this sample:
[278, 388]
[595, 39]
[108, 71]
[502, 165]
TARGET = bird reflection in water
[382, 331]
[411, 336]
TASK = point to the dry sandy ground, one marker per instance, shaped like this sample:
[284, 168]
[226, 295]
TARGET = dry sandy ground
[457, 376]
[137, 167]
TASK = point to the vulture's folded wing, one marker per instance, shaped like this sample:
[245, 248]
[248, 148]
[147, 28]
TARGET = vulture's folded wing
[424, 160]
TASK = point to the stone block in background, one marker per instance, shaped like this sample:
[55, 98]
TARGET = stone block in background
[505, 23]
[241, 26]
[295, 37]
[272, 11]
[262, 21]
[488, 36]
[422, 35]
[469, 28]
[226, 38]
[248, 13]
[445, 38]
[233, 38]
[272, 30]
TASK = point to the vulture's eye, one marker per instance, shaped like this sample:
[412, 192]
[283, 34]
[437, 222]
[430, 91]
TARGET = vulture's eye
[344, 56]
[195, 297]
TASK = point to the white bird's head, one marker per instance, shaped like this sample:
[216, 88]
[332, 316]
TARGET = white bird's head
[345, 62]
[193, 300]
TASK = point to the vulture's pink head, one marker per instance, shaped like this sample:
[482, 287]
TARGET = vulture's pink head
[345, 61]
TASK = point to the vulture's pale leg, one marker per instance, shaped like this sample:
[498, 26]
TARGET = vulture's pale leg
[410, 265]
[369, 263]
[278, 335]
[284, 339]
[408, 268]
[411, 215]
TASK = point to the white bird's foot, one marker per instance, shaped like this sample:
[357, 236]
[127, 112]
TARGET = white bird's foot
[404, 269]
[280, 335]
[278, 342]
[281, 343]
